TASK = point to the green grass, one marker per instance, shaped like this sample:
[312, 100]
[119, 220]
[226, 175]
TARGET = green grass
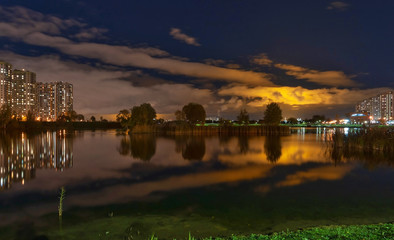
[377, 231]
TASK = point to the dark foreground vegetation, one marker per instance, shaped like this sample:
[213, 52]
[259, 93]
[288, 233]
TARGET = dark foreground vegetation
[354, 232]
[378, 231]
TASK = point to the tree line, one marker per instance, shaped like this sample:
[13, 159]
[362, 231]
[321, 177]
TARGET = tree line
[192, 113]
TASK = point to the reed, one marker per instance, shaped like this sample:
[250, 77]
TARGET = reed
[370, 145]
[61, 198]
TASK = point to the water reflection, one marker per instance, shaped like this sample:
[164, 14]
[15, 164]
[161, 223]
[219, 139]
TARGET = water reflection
[22, 154]
[191, 147]
[273, 148]
[139, 146]
[243, 143]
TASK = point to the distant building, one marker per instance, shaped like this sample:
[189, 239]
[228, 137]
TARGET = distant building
[63, 98]
[23, 92]
[5, 80]
[379, 107]
[47, 101]
[54, 99]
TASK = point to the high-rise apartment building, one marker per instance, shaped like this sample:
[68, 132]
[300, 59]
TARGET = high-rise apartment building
[47, 101]
[378, 107]
[63, 98]
[54, 99]
[5, 80]
[23, 92]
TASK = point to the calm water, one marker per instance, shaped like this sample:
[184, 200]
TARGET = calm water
[170, 186]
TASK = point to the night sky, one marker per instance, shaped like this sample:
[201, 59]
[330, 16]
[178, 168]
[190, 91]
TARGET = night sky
[312, 57]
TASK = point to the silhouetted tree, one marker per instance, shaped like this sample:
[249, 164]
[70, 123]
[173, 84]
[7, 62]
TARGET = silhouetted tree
[93, 118]
[292, 120]
[318, 118]
[124, 117]
[80, 117]
[180, 115]
[273, 114]
[5, 115]
[194, 112]
[243, 117]
[142, 115]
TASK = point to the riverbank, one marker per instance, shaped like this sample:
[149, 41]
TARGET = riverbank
[172, 128]
[112, 229]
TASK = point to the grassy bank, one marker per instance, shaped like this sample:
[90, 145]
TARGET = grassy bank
[376, 231]
[109, 229]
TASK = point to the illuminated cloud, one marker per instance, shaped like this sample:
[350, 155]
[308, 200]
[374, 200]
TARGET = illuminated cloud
[299, 95]
[338, 5]
[36, 29]
[261, 59]
[326, 78]
[176, 33]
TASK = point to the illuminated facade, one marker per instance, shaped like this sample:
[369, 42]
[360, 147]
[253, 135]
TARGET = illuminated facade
[54, 99]
[5, 81]
[23, 92]
[378, 107]
[46, 101]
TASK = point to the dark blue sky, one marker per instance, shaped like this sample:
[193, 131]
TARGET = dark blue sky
[313, 57]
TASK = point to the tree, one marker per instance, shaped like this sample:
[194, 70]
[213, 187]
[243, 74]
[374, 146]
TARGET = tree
[5, 115]
[123, 117]
[180, 115]
[318, 118]
[194, 112]
[292, 120]
[80, 117]
[144, 114]
[30, 117]
[93, 118]
[72, 115]
[243, 117]
[273, 114]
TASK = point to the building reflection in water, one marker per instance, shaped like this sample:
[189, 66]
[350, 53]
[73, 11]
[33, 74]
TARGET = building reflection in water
[22, 154]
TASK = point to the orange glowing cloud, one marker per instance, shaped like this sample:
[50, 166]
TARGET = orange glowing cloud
[299, 95]
[327, 78]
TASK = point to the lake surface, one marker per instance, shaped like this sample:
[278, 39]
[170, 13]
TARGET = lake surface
[141, 185]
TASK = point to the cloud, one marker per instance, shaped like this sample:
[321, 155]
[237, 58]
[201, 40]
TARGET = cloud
[338, 5]
[261, 59]
[36, 29]
[101, 90]
[176, 33]
[326, 78]
[260, 96]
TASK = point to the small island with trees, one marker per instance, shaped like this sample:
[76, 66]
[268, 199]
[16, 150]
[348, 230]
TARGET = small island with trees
[191, 120]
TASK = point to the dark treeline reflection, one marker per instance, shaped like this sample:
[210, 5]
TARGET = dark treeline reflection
[243, 143]
[22, 154]
[139, 146]
[371, 159]
[191, 147]
[273, 148]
